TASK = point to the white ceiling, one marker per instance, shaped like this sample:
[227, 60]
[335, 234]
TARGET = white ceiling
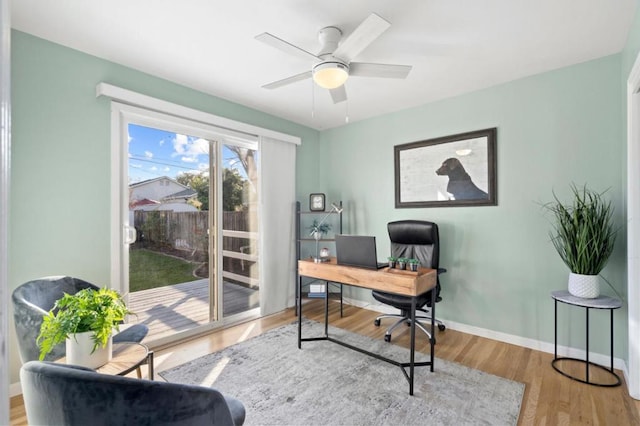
[455, 46]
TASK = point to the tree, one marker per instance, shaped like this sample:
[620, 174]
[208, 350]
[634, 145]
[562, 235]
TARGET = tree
[232, 190]
[199, 182]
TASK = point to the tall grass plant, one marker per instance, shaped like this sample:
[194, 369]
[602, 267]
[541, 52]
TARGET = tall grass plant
[584, 232]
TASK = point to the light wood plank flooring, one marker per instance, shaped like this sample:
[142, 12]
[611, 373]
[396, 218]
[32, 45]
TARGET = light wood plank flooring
[549, 399]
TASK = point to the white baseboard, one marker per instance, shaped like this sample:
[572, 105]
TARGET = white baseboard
[15, 389]
[525, 342]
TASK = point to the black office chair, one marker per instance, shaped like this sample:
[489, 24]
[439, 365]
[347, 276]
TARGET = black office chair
[420, 240]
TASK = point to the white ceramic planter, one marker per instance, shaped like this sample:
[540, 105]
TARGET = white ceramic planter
[79, 347]
[585, 286]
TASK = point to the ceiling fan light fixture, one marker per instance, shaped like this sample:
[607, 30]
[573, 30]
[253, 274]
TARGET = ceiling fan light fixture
[330, 74]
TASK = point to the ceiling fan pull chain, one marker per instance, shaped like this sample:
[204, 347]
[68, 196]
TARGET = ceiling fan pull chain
[346, 111]
[313, 101]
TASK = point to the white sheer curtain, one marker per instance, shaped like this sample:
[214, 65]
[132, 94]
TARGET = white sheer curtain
[278, 163]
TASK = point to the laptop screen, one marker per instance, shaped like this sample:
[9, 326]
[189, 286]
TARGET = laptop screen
[357, 250]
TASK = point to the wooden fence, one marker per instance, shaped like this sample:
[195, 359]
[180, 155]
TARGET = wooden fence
[188, 230]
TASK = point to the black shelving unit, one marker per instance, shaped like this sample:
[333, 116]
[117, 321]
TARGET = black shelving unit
[303, 239]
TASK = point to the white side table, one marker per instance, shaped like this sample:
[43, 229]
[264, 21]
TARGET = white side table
[602, 302]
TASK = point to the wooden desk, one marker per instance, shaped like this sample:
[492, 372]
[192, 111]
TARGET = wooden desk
[405, 283]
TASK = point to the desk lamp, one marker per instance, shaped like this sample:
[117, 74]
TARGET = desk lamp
[315, 232]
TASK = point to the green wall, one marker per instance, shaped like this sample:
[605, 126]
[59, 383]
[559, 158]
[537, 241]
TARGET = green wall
[60, 164]
[553, 129]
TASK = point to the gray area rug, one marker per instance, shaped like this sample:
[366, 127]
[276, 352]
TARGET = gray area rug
[327, 384]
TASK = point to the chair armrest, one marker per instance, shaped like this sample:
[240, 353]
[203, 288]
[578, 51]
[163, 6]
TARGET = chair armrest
[441, 271]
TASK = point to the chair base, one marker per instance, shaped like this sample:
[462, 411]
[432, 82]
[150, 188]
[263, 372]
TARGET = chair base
[404, 319]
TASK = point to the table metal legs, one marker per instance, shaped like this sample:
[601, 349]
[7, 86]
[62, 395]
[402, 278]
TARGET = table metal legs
[586, 361]
[403, 365]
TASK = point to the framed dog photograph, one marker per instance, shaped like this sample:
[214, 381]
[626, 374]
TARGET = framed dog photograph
[450, 171]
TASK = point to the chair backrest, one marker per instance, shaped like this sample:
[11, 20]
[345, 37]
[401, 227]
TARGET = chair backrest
[73, 395]
[415, 239]
[31, 301]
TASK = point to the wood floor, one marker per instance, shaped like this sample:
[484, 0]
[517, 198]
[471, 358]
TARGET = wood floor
[549, 399]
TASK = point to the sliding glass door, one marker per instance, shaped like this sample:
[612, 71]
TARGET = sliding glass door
[190, 256]
[240, 228]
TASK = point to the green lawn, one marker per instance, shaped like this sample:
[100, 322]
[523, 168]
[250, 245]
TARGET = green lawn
[149, 269]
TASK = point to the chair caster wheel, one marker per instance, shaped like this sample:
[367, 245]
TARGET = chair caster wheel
[441, 327]
[376, 322]
[387, 337]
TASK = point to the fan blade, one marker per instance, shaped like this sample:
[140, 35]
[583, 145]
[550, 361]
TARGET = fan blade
[285, 46]
[288, 80]
[339, 94]
[369, 30]
[362, 69]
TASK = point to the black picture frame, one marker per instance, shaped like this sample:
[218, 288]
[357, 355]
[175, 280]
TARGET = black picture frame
[450, 171]
[317, 202]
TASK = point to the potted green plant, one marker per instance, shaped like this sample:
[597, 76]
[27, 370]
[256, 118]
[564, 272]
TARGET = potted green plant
[392, 261]
[402, 262]
[318, 229]
[86, 321]
[583, 235]
[413, 264]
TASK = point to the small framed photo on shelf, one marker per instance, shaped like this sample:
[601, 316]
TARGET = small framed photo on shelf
[316, 202]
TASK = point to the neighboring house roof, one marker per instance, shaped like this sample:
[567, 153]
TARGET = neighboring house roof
[175, 207]
[142, 202]
[163, 188]
[186, 194]
[159, 178]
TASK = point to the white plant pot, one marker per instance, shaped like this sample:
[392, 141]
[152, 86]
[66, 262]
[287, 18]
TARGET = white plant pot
[585, 286]
[79, 347]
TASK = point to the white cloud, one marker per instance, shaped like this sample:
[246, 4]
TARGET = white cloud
[154, 168]
[190, 148]
[135, 166]
[148, 154]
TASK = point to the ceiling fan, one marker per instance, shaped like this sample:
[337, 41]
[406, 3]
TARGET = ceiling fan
[332, 65]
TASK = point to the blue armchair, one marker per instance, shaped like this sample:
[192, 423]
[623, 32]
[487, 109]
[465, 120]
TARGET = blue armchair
[36, 298]
[60, 394]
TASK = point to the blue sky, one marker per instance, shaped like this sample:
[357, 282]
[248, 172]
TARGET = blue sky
[154, 153]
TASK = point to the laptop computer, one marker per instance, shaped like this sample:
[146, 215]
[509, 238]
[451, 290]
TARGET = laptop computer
[357, 250]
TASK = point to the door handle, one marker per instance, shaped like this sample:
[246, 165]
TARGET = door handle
[129, 234]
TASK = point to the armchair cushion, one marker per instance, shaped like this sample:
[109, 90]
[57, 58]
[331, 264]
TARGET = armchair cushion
[71, 395]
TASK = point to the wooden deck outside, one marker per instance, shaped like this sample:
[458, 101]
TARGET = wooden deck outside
[170, 309]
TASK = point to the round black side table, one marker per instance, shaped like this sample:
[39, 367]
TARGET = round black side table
[602, 302]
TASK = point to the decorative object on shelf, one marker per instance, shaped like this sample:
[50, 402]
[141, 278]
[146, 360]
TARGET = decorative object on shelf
[86, 321]
[392, 261]
[316, 290]
[324, 253]
[316, 202]
[583, 235]
[320, 228]
[413, 264]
